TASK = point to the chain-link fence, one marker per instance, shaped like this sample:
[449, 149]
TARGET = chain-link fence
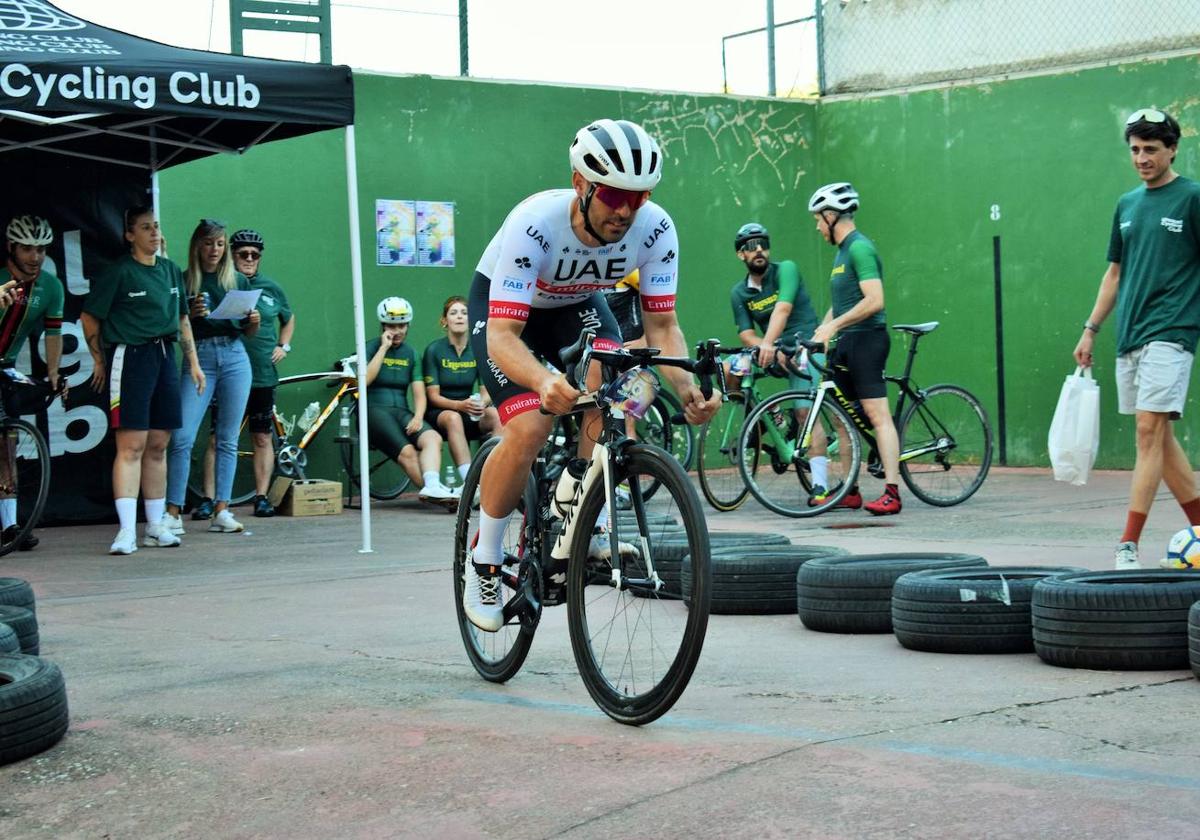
[882, 44]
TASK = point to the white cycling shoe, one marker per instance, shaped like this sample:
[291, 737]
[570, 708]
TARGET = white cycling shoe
[600, 548]
[483, 598]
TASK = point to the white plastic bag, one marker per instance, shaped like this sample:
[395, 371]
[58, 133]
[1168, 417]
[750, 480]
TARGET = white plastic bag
[1075, 429]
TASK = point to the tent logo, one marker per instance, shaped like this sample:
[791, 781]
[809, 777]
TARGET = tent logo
[34, 16]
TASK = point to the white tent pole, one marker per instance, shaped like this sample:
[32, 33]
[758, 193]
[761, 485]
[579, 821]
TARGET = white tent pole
[360, 337]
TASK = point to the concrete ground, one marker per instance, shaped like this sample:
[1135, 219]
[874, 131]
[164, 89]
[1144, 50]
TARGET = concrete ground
[281, 684]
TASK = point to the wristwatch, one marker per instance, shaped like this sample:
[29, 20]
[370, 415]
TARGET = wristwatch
[285, 347]
[1088, 325]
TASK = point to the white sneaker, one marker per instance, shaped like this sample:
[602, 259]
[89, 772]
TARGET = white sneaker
[1126, 556]
[125, 543]
[225, 523]
[600, 548]
[481, 598]
[174, 524]
[159, 536]
[456, 492]
[436, 494]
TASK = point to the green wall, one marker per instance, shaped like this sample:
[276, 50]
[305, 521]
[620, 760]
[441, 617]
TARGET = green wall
[930, 165]
[485, 146]
[1049, 151]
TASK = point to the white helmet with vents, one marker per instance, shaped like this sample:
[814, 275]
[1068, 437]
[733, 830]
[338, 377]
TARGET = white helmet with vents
[30, 230]
[617, 153]
[840, 197]
[394, 310]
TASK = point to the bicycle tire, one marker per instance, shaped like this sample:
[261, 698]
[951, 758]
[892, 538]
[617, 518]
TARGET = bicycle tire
[716, 455]
[243, 468]
[782, 482]
[498, 656]
[954, 412]
[28, 451]
[636, 679]
[387, 478]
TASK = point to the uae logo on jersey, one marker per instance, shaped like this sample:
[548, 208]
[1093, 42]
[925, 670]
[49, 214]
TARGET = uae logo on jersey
[34, 16]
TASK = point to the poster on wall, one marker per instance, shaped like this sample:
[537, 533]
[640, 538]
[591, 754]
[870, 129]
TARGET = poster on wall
[435, 233]
[395, 232]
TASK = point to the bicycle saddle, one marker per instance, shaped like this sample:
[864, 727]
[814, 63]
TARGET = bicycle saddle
[917, 329]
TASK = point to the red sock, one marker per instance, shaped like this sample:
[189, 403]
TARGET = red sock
[1134, 522]
[1192, 511]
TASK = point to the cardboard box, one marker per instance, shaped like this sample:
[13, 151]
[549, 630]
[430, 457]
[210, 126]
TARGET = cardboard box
[312, 497]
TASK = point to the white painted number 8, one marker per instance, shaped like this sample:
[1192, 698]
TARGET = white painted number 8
[995, 212]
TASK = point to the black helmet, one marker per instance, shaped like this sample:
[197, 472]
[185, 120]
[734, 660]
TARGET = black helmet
[246, 236]
[750, 230]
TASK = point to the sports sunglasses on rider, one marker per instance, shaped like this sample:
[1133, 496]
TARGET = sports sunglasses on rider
[756, 243]
[248, 255]
[1150, 115]
[618, 198]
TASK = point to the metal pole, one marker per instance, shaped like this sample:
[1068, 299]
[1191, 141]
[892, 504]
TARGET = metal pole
[724, 72]
[360, 336]
[770, 47]
[463, 56]
[820, 15]
[1001, 419]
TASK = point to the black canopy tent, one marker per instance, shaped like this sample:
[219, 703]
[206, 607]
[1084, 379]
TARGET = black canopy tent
[89, 116]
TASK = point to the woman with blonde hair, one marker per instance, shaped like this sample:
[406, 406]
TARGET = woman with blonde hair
[210, 275]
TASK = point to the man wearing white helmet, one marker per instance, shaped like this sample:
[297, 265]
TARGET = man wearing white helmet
[395, 427]
[537, 286]
[858, 320]
[31, 299]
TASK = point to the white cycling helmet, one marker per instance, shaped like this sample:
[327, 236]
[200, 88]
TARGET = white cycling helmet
[617, 153]
[840, 198]
[394, 310]
[30, 230]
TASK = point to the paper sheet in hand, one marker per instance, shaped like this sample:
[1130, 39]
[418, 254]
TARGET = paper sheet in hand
[236, 304]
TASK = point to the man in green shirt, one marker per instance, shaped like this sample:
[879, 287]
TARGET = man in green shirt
[1153, 280]
[857, 318]
[31, 300]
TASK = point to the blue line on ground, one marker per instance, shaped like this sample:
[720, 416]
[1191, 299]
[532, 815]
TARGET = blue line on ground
[1033, 764]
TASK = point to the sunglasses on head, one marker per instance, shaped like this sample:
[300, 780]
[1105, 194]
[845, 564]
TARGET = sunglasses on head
[1150, 115]
[756, 243]
[213, 223]
[617, 198]
[248, 255]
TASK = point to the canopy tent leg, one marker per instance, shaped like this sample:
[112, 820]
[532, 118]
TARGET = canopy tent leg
[360, 335]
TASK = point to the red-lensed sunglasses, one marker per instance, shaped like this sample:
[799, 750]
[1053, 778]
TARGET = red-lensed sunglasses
[617, 198]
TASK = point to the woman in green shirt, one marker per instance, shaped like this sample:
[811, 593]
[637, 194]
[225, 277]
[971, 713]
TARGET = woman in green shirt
[210, 276]
[458, 407]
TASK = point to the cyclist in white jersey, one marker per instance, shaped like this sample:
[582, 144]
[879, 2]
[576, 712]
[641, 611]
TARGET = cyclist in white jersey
[537, 286]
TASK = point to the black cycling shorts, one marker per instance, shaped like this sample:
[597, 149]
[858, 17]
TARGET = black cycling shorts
[546, 333]
[626, 306]
[858, 360]
[143, 386]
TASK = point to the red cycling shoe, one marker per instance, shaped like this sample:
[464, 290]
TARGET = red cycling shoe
[886, 505]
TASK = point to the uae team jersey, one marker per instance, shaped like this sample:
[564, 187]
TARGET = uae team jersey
[536, 261]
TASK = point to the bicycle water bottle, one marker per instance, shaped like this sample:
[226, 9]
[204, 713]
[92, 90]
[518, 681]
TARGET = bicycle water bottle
[344, 425]
[564, 490]
[309, 416]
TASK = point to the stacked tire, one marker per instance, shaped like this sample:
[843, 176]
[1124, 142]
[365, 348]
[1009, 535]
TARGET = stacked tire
[33, 695]
[853, 594]
[974, 610]
[1135, 620]
[1194, 638]
[669, 549]
[756, 580]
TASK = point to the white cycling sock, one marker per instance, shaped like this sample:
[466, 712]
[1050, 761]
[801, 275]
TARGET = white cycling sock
[154, 510]
[126, 512]
[463, 469]
[8, 513]
[820, 471]
[490, 547]
[431, 478]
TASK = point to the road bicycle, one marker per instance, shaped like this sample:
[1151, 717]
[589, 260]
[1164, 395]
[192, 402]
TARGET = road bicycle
[297, 420]
[716, 463]
[945, 439]
[24, 455]
[636, 622]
